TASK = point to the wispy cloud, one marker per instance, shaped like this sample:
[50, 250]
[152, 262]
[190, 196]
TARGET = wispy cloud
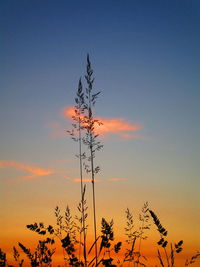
[34, 171]
[116, 179]
[77, 180]
[117, 126]
[68, 112]
[37, 172]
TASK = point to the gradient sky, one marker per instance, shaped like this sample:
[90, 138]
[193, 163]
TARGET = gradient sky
[145, 56]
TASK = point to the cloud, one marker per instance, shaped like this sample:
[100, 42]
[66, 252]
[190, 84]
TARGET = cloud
[77, 180]
[37, 172]
[116, 179]
[68, 112]
[117, 126]
[34, 171]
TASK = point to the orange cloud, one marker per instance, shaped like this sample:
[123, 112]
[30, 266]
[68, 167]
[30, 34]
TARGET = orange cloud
[118, 126]
[68, 112]
[34, 171]
[77, 180]
[116, 179]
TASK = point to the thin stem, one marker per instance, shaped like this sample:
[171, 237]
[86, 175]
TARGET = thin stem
[94, 210]
[167, 257]
[90, 128]
[79, 255]
[82, 190]
[93, 187]
[140, 241]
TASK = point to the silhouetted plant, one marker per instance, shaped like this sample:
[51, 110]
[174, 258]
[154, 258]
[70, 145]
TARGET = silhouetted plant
[69, 247]
[193, 259]
[162, 242]
[70, 225]
[144, 219]
[65, 231]
[76, 134]
[106, 247]
[2, 258]
[84, 120]
[132, 255]
[176, 248]
[131, 237]
[16, 256]
[42, 256]
[106, 238]
[90, 139]
[82, 208]
[32, 257]
[66, 226]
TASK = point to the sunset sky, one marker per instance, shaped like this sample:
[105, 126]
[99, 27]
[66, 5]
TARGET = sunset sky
[145, 56]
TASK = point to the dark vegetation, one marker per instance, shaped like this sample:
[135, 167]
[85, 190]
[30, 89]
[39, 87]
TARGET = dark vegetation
[70, 233]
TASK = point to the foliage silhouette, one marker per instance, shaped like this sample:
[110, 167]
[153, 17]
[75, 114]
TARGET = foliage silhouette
[66, 231]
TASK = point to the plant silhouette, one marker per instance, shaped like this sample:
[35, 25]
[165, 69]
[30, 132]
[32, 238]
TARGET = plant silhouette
[84, 132]
[76, 134]
[90, 139]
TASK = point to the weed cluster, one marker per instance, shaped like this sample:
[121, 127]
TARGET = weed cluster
[66, 233]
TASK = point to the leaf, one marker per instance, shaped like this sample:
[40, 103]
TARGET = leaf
[117, 247]
[66, 241]
[93, 245]
[160, 258]
[160, 242]
[43, 232]
[164, 244]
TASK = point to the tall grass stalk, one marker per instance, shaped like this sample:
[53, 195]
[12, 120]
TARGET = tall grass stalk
[78, 126]
[80, 102]
[144, 219]
[90, 140]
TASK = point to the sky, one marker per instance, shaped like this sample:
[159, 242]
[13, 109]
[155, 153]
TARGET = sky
[145, 56]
